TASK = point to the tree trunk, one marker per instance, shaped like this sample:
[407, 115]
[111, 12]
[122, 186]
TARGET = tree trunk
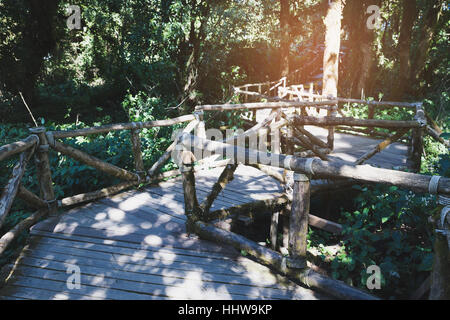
[285, 37]
[332, 48]
[404, 47]
[426, 32]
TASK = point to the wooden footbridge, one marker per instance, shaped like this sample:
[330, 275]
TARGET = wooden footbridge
[161, 242]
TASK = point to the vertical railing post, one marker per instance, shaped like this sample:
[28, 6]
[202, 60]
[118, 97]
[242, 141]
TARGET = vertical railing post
[417, 138]
[200, 130]
[298, 228]
[137, 152]
[43, 169]
[440, 275]
[332, 112]
[191, 205]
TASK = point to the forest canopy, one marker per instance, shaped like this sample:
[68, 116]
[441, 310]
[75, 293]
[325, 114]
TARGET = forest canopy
[181, 53]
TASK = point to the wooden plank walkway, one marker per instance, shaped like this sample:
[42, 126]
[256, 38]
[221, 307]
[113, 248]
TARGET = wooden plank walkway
[135, 246]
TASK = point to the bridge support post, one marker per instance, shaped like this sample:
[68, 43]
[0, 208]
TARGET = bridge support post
[417, 138]
[298, 228]
[191, 205]
[137, 153]
[44, 173]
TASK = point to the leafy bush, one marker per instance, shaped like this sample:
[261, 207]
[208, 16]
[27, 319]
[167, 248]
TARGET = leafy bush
[388, 228]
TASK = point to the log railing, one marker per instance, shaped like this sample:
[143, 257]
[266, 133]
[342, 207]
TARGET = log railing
[205, 223]
[286, 128]
[41, 142]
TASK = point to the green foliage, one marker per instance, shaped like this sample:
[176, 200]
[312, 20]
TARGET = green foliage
[388, 228]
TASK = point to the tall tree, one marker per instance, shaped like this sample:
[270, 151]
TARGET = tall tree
[285, 37]
[332, 48]
[426, 32]
[358, 62]
[409, 16]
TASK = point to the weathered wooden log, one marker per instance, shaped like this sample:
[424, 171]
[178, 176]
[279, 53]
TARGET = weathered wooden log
[12, 188]
[316, 221]
[371, 133]
[311, 137]
[436, 136]
[321, 169]
[263, 105]
[309, 153]
[168, 153]
[11, 149]
[334, 121]
[424, 288]
[273, 233]
[94, 195]
[379, 103]
[433, 125]
[252, 131]
[43, 169]
[270, 172]
[275, 260]
[440, 275]
[201, 128]
[298, 222]
[95, 162]
[192, 208]
[304, 142]
[381, 146]
[30, 198]
[22, 226]
[121, 126]
[417, 146]
[225, 178]
[137, 153]
[277, 203]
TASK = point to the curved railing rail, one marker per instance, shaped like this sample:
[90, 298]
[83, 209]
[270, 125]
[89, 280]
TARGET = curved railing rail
[286, 123]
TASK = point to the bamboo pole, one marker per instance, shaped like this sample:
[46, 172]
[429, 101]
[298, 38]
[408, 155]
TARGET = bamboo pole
[11, 149]
[121, 126]
[12, 188]
[381, 146]
[321, 169]
[95, 162]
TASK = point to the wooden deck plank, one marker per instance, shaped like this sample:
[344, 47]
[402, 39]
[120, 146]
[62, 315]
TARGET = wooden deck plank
[107, 243]
[147, 281]
[126, 289]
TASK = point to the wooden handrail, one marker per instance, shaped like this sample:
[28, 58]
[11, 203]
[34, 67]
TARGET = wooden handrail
[11, 149]
[121, 126]
[321, 169]
[264, 105]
